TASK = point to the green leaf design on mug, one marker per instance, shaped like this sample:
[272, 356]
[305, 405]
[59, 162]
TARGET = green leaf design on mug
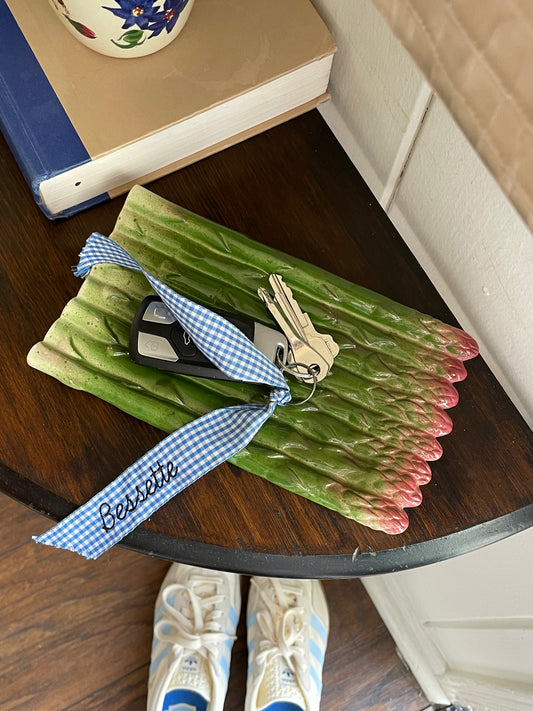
[130, 39]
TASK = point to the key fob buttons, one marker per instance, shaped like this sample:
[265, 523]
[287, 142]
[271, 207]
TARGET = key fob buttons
[152, 346]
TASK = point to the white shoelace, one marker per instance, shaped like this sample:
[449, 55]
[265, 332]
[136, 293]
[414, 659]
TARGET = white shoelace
[191, 623]
[282, 628]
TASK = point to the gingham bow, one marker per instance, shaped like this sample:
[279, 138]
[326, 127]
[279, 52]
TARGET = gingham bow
[189, 452]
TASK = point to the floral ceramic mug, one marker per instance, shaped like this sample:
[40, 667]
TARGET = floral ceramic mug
[124, 28]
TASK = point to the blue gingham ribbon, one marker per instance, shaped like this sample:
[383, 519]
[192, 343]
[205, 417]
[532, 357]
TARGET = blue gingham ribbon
[189, 452]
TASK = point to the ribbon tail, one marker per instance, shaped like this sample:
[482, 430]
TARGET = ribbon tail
[171, 466]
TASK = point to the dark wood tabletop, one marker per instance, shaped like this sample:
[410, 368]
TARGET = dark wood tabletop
[292, 188]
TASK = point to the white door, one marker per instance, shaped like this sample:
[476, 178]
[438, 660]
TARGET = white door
[465, 626]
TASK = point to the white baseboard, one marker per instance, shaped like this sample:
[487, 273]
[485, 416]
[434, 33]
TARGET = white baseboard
[486, 694]
[354, 151]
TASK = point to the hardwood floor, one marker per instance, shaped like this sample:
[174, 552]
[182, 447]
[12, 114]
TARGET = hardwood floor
[75, 635]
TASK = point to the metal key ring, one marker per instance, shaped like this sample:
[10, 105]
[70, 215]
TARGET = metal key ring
[289, 368]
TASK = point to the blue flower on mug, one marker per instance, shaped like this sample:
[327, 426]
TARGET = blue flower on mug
[171, 11]
[135, 12]
[145, 15]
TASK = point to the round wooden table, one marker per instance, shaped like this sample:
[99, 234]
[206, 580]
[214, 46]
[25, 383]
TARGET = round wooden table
[292, 188]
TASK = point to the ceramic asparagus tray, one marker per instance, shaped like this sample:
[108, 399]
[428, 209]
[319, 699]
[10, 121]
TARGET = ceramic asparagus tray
[361, 446]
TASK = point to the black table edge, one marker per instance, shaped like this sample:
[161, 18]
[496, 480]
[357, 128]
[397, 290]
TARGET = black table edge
[143, 540]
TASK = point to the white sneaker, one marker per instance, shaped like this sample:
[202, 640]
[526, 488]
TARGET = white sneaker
[288, 624]
[196, 615]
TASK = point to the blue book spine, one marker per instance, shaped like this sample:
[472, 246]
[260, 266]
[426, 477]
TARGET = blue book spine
[32, 119]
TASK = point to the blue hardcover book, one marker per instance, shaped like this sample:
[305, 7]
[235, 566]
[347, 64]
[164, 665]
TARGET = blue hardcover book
[32, 119]
[85, 127]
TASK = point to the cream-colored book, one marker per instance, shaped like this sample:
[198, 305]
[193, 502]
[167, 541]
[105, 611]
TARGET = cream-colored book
[85, 127]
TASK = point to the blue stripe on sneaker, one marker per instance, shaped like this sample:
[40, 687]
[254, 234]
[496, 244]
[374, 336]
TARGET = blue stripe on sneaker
[157, 616]
[224, 665]
[233, 616]
[316, 678]
[166, 629]
[317, 625]
[157, 661]
[251, 619]
[316, 651]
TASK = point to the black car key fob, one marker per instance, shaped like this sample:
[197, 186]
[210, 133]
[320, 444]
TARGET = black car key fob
[159, 340]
